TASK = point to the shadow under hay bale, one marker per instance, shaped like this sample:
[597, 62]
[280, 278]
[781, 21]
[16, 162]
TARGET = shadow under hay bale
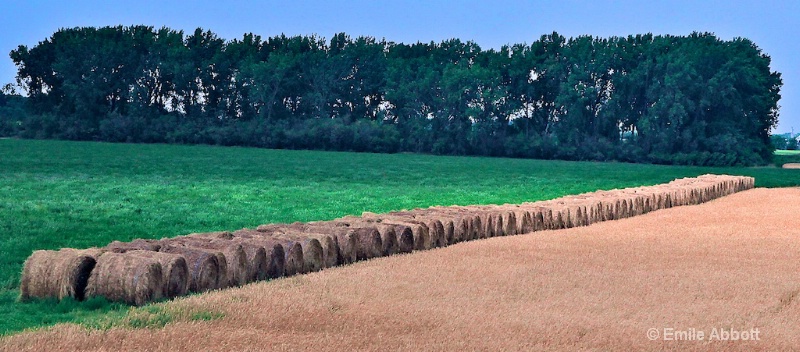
[204, 267]
[174, 269]
[124, 277]
[57, 274]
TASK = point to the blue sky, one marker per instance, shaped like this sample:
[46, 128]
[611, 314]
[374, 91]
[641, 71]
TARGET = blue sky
[772, 25]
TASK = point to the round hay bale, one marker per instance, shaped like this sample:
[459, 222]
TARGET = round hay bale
[257, 264]
[404, 235]
[524, 221]
[257, 260]
[138, 244]
[276, 254]
[294, 262]
[367, 239]
[488, 229]
[57, 274]
[345, 238]
[510, 224]
[542, 217]
[330, 250]
[504, 221]
[203, 265]
[368, 243]
[313, 254]
[475, 228]
[455, 222]
[436, 231]
[559, 222]
[419, 230]
[460, 229]
[449, 227]
[576, 212]
[174, 269]
[390, 243]
[236, 267]
[394, 238]
[123, 277]
[246, 261]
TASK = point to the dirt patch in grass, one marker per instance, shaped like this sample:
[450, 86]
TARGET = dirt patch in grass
[791, 166]
[730, 264]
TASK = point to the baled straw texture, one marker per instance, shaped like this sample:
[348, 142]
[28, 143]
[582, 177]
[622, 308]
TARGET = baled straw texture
[235, 258]
[313, 253]
[419, 230]
[390, 242]
[403, 241]
[205, 271]
[327, 242]
[345, 238]
[275, 252]
[367, 239]
[57, 274]
[123, 277]
[255, 255]
[174, 269]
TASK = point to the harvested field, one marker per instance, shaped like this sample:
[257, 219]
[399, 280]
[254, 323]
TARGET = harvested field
[728, 264]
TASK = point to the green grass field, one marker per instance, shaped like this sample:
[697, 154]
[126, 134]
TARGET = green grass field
[787, 152]
[786, 156]
[57, 194]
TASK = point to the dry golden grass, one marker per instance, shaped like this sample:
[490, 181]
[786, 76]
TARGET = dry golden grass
[730, 263]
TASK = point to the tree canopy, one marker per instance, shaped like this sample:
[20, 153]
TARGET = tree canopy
[667, 99]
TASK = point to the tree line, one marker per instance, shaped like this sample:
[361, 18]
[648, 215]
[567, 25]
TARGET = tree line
[692, 99]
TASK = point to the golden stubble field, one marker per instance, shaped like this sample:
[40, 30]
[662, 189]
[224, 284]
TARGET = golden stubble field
[692, 272]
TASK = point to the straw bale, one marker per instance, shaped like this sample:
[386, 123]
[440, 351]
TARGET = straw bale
[174, 269]
[57, 274]
[205, 271]
[124, 277]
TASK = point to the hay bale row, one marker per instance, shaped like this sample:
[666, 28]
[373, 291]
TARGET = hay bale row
[126, 277]
[141, 271]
